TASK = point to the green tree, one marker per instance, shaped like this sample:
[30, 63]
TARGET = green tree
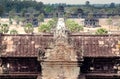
[31, 10]
[1, 10]
[101, 31]
[29, 28]
[73, 26]
[41, 17]
[13, 31]
[4, 28]
[71, 10]
[67, 15]
[44, 28]
[52, 23]
[17, 19]
[48, 9]
[12, 13]
[23, 11]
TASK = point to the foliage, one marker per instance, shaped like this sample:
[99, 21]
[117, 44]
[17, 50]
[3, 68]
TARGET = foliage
[71, 10]
[109, 21]
[52, 23]
[26, 6]
[31, 10]
[66, 16]
[41, 17]
[10, 21]
[23, 11]
[4, 28]
[101, 31]
[44, 28]
[13, 31]
[1, 10]
[18, 5]
[48, 26]
[31, 16]
[1, 31]
[48, 9]
[12, 13]
[17, 19]
[29, 28]
[73, 26]
[22, 19]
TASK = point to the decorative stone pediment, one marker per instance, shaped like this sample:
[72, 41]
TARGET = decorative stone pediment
[61, 50]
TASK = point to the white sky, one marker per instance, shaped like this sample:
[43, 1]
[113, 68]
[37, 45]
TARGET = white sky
[80, 1]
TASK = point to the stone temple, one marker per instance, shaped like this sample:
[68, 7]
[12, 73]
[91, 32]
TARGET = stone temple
[59, 55]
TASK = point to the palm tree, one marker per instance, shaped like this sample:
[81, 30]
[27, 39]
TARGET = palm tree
[4, 28]
[29, 28]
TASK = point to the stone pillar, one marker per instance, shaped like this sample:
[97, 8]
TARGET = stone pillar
[60, 70]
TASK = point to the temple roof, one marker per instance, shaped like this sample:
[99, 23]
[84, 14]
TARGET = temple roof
[89, 45]
[98, 45]
[23, 45]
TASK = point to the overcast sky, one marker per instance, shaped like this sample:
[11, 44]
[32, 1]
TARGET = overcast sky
[80, 1]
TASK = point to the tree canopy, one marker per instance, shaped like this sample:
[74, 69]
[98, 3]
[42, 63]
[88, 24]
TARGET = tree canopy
[48, 26]
[22, 6]
[13, 32]
[44, 28]
[4, 28]
[73, 26]
[18, 5]
[1, 10]
[28, 28]
[101, 31]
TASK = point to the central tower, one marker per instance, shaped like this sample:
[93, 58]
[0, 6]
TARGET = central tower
[61, 58]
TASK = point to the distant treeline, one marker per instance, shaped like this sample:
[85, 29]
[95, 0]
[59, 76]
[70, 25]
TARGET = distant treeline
[20, 6]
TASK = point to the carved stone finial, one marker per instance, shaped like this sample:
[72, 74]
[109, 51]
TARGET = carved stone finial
[60, 34]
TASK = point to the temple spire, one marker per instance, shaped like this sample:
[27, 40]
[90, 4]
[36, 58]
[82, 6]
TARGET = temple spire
[61, 33]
